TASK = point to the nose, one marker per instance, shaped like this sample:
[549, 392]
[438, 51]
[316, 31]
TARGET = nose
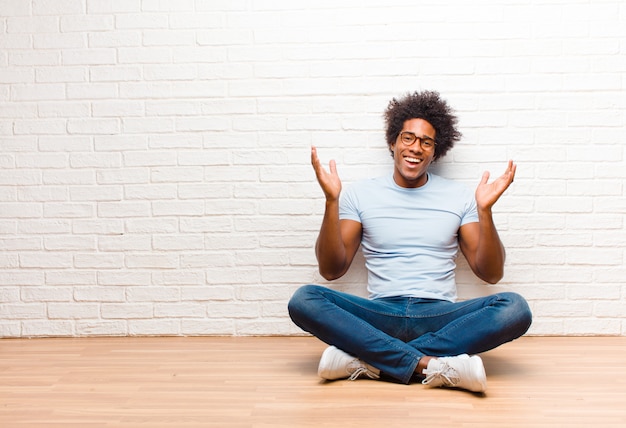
[416, 145]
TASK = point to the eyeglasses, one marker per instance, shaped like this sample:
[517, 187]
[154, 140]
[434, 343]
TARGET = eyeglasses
[408, 138]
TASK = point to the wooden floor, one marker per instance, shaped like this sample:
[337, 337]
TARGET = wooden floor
[272, 382]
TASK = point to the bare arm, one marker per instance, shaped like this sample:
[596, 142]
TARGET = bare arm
[338, 240]
[480, 242]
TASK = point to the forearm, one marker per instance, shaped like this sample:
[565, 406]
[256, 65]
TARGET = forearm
[330, 249]
[490, 253]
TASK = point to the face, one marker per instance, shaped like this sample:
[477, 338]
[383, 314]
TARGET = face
[411, 162]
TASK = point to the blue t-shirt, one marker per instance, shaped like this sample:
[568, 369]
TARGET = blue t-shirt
[410, 236]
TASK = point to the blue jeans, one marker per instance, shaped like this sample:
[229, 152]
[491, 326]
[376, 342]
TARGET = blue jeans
[392, 334]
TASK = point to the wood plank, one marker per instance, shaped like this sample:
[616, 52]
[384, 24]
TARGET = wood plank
[271, 382]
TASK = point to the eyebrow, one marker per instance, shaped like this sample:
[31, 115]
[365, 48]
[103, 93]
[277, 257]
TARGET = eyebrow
[423, 136]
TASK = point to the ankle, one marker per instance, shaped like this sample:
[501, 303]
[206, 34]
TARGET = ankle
[423, 364]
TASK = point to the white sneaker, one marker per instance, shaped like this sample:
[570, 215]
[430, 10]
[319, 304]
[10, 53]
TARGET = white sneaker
[461, 371]
[336, 364]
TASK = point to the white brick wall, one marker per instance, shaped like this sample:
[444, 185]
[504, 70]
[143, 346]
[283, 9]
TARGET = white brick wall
[154, 154]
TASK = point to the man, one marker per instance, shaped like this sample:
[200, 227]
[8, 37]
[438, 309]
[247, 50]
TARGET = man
[410, 225]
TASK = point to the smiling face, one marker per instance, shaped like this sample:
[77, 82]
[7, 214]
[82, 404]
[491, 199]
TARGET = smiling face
[412, 162]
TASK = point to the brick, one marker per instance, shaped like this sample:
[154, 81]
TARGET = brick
[93, 126]
[152, 261]
[206, 293]
[47, 91]
[89, 56]
[68, 210]
[123, 176]
[99, 261]
[205, 225]
[115, 73]
[69, 243]
[204, 259]
[17, 75]
[101, 328]
[150, 191]
[59, 41]
[20, 244]
[30, 24]
[10, 329]
[21, 278]
[12, 8]
[124, 209]
[98, 227]
[177, 208]
[115, 39]
[152, 294]
[96, 193]
[22, 311]
[141, 21]
[179, 310]
[9, 294]
[151, 225]
[170, 72]
[123, 278]
[9, 261]
[20, 211]
[178, 242]
[75, 109]
[126, 311]
[210, 327]
[91, 91]
[65, 74]
[113, 6]
[47, 328]
[156, 327]
[177, 174]
[73, 311]
[40, 127]
[124, 243]
[86, 23]
[58, 7]
[235, 309]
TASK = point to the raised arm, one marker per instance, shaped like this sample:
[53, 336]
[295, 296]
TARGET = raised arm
[338, 240]
[480, 242]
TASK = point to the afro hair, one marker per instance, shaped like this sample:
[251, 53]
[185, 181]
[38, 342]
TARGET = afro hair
[426, 105]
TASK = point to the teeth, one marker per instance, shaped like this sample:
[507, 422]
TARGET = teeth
[415, 160]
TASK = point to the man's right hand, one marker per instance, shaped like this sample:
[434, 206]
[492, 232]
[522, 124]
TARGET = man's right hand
[329, 181]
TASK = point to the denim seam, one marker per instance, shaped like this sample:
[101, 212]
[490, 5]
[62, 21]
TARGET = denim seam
[468, 318]
[409, 373]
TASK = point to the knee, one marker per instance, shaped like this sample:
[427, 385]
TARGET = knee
[300, 302]
[519, 312]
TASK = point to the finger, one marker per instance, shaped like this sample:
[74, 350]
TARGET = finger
[509, 173]
[512, 168]
[485, 177]
[315, 161]
[333, 167]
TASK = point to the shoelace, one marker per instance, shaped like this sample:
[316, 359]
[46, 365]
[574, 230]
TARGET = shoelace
[446, 375]
[359, 369]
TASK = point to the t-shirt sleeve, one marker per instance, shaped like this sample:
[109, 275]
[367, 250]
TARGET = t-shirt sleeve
[470, 214]
[348, 205]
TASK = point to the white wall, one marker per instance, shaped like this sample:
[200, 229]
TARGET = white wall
[155, 173]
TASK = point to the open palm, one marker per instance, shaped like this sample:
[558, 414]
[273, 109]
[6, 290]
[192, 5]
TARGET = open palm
[487, 194]
[329, 180]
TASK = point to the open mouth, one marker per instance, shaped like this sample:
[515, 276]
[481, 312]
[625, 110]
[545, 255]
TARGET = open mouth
[413, 161]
